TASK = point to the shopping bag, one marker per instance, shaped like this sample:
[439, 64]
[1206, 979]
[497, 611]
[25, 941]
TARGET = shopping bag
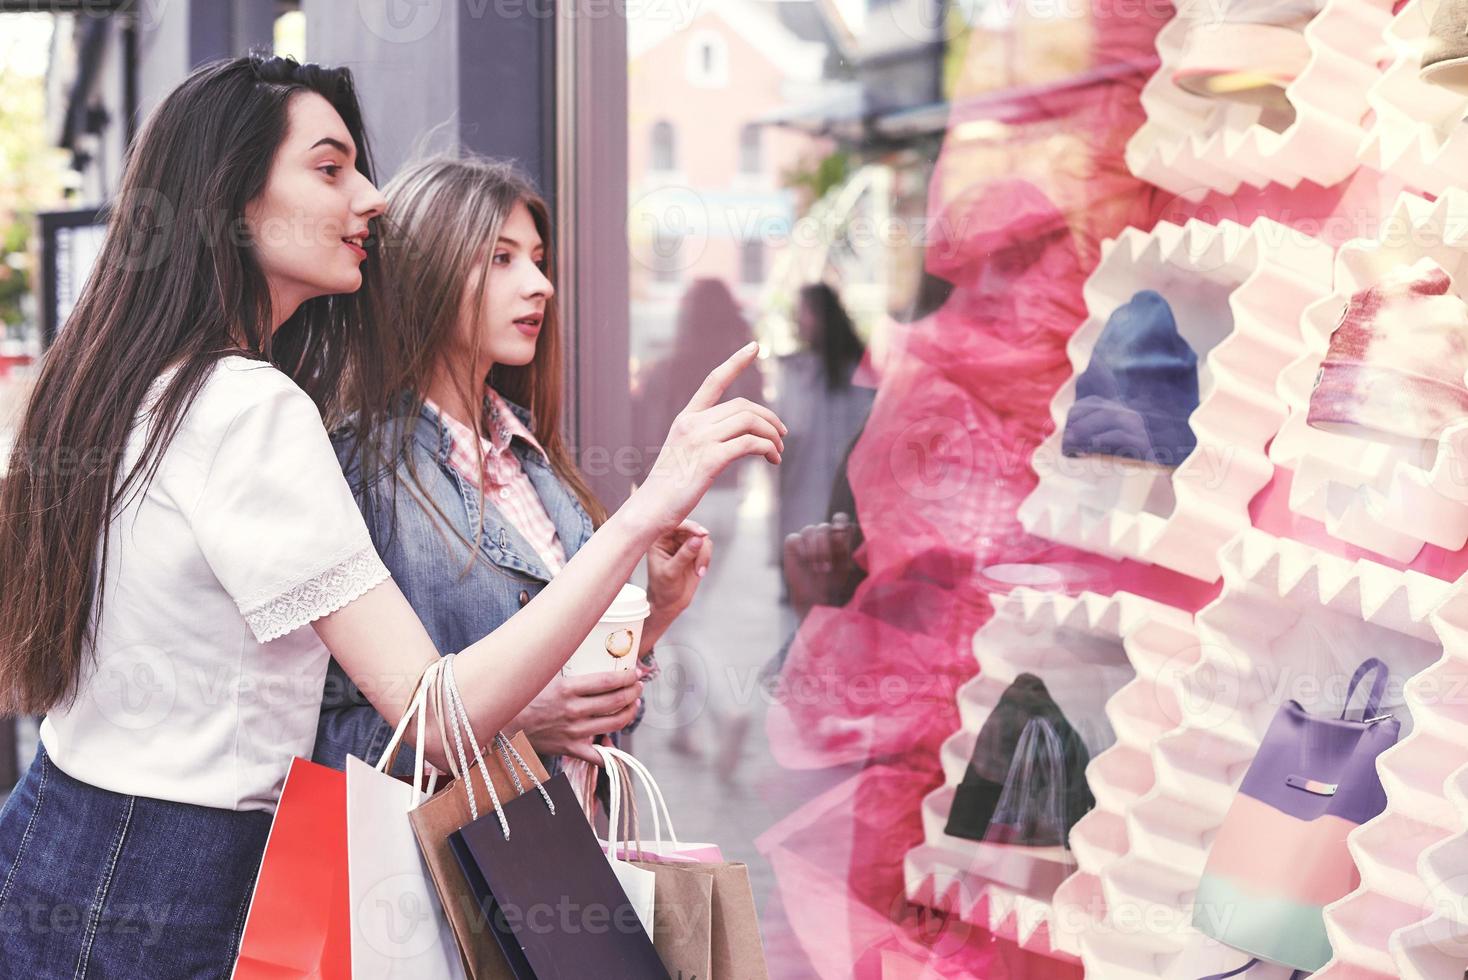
[735, 949]
[682, 899]
[656, 847]
[547, 891]
[445, 812]
[398, 925]
[682, 918]
[550, 894]
[453, 806]
[639, 883]
[299, 923]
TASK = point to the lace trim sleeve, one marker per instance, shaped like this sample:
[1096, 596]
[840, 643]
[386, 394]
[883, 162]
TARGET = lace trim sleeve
[334, 588]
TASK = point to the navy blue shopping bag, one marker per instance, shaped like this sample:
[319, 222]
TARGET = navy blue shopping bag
[549, 894]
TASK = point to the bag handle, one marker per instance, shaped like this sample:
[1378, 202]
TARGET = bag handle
[654, 792]
[616, 832]
[1297, 975]
[1378, 687]
[506, 748]
[617, 766]
[456, 728]
[633, 830]
[582, 777]
[622, 788]
[417, 709]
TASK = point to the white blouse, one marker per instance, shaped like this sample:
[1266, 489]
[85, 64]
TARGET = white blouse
[205, 678]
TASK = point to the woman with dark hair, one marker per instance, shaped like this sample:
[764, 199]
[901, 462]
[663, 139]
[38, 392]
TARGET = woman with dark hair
[818, 385]
[485, 505]
[174, 519]
[709, 320]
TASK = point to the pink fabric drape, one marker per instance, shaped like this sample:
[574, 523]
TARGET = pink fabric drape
[938, 476]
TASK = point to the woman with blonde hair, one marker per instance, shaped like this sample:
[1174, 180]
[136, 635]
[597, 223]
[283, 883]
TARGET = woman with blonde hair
[483, 505]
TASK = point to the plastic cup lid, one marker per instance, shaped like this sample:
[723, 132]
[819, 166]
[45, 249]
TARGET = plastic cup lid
[630, 604]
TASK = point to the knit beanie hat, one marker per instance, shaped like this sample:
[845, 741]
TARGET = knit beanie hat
[1395, 366]
[1025, 782]
[1134, 398]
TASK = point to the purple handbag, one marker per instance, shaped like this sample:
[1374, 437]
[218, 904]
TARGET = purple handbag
[1280, 856]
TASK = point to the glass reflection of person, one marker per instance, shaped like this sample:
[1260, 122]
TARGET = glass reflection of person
[709, 318]
[818, 386]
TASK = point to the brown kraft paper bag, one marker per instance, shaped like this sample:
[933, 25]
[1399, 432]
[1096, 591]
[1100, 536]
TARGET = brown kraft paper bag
[682, 919]
[736, 951]
[442, 814]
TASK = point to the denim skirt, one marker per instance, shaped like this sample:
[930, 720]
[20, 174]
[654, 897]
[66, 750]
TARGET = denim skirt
[101, 884]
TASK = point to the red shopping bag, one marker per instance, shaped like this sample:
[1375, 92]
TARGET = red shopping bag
[299, 924]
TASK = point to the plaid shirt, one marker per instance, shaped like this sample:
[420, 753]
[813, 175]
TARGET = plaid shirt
[503, 479]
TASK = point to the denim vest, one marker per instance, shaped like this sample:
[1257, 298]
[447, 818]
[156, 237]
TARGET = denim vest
[426, 563]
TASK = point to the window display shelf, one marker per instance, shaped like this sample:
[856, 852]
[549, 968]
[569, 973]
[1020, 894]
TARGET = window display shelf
[1237, 294]
[1191, 144]
[1438, 945]
[1290, 624]
[947, 879]
[1417, 133]
[1414, 857]
[1109, 663]
[1161, 646]
[1388, 497]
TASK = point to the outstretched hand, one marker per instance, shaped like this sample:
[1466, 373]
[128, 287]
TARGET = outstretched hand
[705, 438]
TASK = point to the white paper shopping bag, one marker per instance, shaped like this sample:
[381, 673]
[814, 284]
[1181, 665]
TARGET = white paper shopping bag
[638, 883]
[399, 930]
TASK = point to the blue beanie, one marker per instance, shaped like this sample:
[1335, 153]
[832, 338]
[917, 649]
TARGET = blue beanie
[1134, 398]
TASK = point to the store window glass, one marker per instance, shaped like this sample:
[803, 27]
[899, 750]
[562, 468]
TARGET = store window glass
[940, 177]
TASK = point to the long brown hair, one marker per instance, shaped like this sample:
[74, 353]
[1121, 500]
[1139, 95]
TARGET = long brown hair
[177, 283]
[445, 210]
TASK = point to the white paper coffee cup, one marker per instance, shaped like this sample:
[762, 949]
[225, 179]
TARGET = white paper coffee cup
[613, 643]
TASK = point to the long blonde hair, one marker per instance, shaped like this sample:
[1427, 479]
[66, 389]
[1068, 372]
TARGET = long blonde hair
[444, 210]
